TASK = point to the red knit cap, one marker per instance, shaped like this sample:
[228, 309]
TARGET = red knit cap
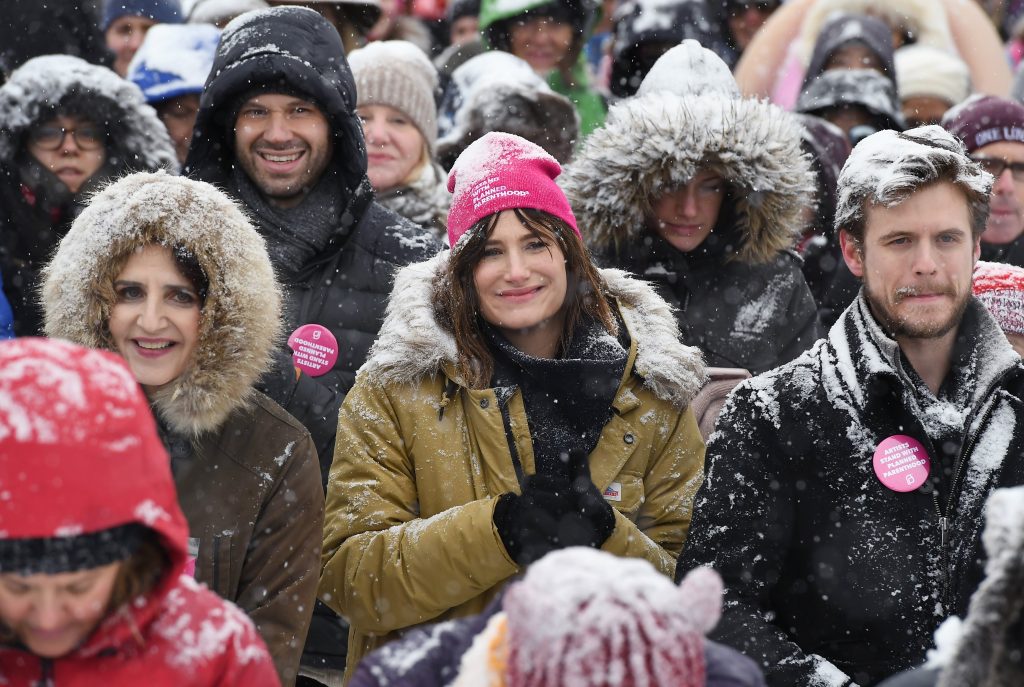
[583, 617]
[500, 172]
[1001, 289]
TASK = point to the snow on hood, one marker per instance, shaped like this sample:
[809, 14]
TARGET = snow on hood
[241, 315]
[689, 69]
[653, 144]
[413, 345]
[174, 60]
[137, 135]
[864, 87]
[886, 165]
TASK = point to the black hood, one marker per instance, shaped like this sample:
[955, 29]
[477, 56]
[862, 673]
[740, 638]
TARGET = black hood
[291, 47]
[871, 32]
[643, 22]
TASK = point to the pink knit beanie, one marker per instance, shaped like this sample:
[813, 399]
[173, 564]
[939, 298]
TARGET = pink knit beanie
[586, 617]
[1001, 289]
[500, 172]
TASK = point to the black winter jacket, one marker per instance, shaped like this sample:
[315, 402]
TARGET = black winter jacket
[832, 578]
[345, 288]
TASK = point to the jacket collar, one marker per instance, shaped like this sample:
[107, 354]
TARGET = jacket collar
[412, 345]
[862, 358]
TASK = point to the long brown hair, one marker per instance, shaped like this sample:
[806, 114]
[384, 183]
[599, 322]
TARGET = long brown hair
[456, 304]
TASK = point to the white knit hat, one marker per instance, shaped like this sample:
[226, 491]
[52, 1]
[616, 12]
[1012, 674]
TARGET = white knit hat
[923, 70]
[398, 74]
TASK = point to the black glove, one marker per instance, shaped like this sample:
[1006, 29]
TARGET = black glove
[553, 513]
[590, 505]
[528, 524]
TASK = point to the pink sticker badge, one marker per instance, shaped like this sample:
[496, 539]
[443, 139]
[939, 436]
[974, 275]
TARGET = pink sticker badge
[314, 349]
[901, 463]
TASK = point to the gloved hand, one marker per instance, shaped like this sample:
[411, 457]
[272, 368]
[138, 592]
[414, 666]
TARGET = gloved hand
[554, 512]
[593, 509]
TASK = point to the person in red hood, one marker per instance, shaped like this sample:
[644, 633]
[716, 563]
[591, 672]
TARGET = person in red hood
[92, 541]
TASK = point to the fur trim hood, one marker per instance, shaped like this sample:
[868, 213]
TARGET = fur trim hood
[412, 345]
[654, 143]
[138, 139]
[240, 321]
[925, 20]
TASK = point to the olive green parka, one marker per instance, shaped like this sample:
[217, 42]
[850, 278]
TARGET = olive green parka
[421, 458]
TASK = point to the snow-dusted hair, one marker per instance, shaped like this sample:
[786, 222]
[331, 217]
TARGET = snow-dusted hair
[887, 167]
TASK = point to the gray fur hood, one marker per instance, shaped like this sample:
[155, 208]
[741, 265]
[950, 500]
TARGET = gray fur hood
[240, 321]
[412, 345]
[138, 139]
[654, 143]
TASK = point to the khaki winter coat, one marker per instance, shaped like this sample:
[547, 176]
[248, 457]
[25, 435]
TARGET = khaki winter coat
[421, 458]
[246, 471]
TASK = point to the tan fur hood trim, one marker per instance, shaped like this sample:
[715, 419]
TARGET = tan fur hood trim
[240, 323]
[652, 144]
[412, 345]
[925, 18]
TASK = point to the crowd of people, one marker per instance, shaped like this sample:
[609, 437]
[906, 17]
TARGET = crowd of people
[512, 342]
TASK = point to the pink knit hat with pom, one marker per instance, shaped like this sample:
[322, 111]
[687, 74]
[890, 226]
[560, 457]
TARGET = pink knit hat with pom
[1001, 289]
[500, 172]
[584, 617]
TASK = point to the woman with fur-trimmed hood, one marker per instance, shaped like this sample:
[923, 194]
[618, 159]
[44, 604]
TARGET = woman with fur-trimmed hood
[66, 127]
[701, 193]
[170, 274]
[517, 401]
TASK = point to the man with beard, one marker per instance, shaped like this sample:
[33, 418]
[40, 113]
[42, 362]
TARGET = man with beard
[992, 130]
[844, 490]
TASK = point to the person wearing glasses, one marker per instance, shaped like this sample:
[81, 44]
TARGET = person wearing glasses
[992, 130]
[66, 127]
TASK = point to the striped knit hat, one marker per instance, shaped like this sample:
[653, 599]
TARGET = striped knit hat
[1001, 289]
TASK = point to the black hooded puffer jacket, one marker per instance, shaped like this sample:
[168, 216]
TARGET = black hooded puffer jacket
[344, 287]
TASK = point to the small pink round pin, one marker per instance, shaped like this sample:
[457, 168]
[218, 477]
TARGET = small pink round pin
[901, 463]
[314, 349]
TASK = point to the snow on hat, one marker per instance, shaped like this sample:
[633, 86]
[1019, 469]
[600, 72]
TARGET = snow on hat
[61, 402]
[160, 11]
[1001, 288]
[690, 69]
[586, 617]
[174, 60]
[398, 74]
[924, 70]
[499, 172]
[984, 119]
[218, 11]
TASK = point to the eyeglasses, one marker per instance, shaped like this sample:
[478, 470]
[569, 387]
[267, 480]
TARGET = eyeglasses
[88, 137]
[996, 165]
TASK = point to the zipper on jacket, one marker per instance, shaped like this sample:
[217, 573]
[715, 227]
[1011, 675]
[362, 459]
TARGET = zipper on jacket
[506, 421]
[45, 673]
[946, 517]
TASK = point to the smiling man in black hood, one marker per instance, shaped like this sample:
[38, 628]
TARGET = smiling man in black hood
[277, 129]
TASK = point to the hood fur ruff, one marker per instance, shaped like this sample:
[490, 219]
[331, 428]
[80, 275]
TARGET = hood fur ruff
[412, 345]
[653, 144]
[926, 19]
[240, 323]
[44, 82]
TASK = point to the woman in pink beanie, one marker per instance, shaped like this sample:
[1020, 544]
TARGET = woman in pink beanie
[517, 401]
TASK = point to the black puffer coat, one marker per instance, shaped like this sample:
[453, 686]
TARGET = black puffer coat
[345, 288]
[830, 576]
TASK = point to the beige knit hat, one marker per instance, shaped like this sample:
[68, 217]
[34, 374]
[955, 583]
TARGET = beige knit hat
[923, 70]
[398, 74]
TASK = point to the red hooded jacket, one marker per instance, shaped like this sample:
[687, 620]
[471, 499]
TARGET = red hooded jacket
[79, 453]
